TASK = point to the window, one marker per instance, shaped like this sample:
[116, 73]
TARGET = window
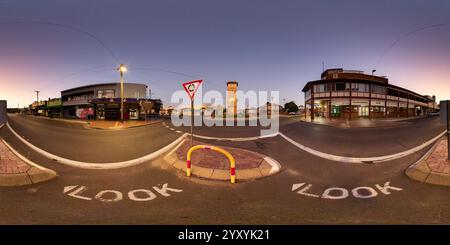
[392, 92]
[340, 86]
[330, 87]
[363, 87]
[100, 94]
[376, 89]
[319, 88]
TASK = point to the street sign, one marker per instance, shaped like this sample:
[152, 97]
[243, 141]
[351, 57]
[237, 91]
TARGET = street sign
[191, 87]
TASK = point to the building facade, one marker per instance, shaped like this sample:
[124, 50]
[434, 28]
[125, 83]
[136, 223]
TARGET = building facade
[353, 94]
[102, 101]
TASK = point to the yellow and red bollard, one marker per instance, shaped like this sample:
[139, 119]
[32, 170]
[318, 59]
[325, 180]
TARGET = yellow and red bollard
[226, 153]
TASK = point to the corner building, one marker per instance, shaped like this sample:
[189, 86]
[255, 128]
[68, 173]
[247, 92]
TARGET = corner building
[352, 94]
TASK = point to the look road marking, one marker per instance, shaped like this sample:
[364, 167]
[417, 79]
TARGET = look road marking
[338, 193]
[137, 195]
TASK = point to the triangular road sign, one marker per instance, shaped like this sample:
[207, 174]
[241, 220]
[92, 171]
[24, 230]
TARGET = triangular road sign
[191, 87]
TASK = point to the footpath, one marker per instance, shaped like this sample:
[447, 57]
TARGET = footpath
[433, 167]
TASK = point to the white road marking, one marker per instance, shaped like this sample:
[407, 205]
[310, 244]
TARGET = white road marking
[361, 159]
[386, 187]
[164, 190]
[275, 165]
[116, 196]
[150, 195]
[172, 129]
[296, 186]
[76, 193]
[236, 139]
[69, 188]
[178, 131]
[304, 190]
[372, 192]
[339, 193]
[327, 193]
[112, 165]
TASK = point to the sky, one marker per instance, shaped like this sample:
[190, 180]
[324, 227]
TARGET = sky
[53, 45]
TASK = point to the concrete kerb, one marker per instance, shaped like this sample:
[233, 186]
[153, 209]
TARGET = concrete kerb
[420, 171]
[267, 168]
[35, 174]
[88, 165]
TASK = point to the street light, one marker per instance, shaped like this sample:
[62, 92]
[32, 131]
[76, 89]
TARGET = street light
[122, 69]
[373, 71]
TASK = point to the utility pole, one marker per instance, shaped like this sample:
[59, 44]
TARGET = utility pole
[122, 68]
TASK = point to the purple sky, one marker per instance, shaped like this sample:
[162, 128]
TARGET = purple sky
[264, 45]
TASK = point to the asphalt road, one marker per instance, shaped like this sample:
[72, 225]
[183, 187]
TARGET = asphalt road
[266, 201]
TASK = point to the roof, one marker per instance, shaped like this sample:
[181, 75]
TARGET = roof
[362, 81]
[99, 84]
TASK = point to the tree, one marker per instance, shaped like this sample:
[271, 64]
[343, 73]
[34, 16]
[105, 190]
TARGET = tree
[290, 107]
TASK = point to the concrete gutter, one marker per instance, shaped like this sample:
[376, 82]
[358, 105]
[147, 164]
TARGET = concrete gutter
[35, 174]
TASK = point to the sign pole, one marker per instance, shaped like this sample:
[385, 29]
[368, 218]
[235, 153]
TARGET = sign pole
[191, 87]
[192, 122]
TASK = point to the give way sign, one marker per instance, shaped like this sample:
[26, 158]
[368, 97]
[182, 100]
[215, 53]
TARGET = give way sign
[191, 87]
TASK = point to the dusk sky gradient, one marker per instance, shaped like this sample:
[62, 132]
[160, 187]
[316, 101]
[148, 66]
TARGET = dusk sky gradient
[264, 45]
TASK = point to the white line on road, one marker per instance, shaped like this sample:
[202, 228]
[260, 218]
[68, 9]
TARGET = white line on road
[88, 165]
[236, 139]
[362, 159]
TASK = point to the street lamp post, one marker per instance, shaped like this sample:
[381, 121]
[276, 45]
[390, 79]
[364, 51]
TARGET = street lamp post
[122, 69]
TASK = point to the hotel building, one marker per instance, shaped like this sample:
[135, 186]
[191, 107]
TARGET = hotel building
[353, 94]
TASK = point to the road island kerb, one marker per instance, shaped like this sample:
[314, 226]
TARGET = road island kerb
[208, 164]
[17, 170]
[434, 167]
